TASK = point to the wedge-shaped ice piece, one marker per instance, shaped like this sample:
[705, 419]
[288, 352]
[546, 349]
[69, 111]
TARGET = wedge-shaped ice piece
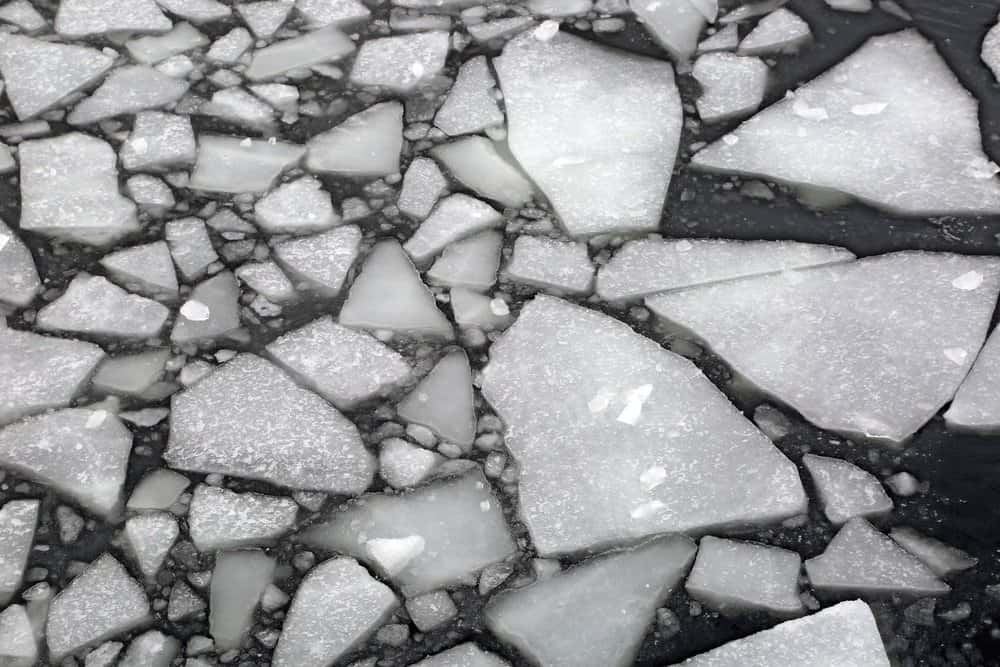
[152, 49]
[220, 519]
[471, 263]
[231, 164]
[18, 646]
[500, 29]
[837, 342]
[732, 86]
[19, 282]
[838, 636]
[301, 206]
[18, 520]
[238, 581]
[990, 52]
[337, 606]
[320, 263]
[735, 577]
[312, 48]
[240, 108]
[859, 6]
[366, 144]
[190, 247]
[647, 266]
[151, 649]
[146, 269]
[464, 655]
[344, 366]
[401, 63]
[82, 453]
[128, 90]
[266, 17]
[477, 164]
[228, 48]
[39, 75]
[455, 217]
[388, 294]
[69, 190]
[862, 561]
[86, 18]
[199, 11]
[567, 381]
[268, 280]
[781, 30]
[976, 406]
[845, 490]
[443, 401]
[23, 14]
[158, 490]
[150, 193]
[568, 101]
[472, 309]
[41, 372]
[212, 311]
[92, 305]
[131, 374]
[158, 141]
[184, 602]
[248, 419]
[873, 127]
[150, 537]
[675, 24]
[470, 106]
[402, 465]
[429, 538]
[423, 184]
[318, 13]
[575, 619]
[99, 604]
[942, 559]
[550, 264]
[726, 39]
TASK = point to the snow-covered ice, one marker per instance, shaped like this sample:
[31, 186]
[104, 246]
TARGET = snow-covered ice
[732, 86]
[128, 90]
[471, 263]
[301, 206]
[210, 312]
[198, 11]
[94, 306]
[780, 31]
[454, 218]
[265, 17]
[482, 166]
[220, 519]
[976, 406]
[190, 247]
[150, 537]
[234, 164]
[561, 267]
[19, 281]
[320, 263]
[158, 141]
[675, 24]
[153, 49]
[401, 63]
[311, 48]
[845, 490]
[423, 185]
[18, 520]
[18, 646]
[151, 649]
[402, 464]
[470, 106]
[367, 144]
[268, 280]
[319, 13]
[463, 655]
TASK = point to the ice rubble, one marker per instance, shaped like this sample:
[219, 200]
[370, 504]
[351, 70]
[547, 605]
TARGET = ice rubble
[432, 537]
[297, 207]
[158, 490]
[469, 263]
[562, 267]
[312, 48]
[443, 401]
[841, 635]
[150, 537]
[318, 13]
[198, 11]
[568, 381]
[367, 144]
[128, 90]
[248, 419]
[183, 603]
[238, 581]
[481, 165]
[130, 374]
[890, 125]
[576, 619]
[845, 490]
[337, 606]
[732, 86]
[401, 63]
[235, 165]
[47, 448]
[190, 247]
[94, 306]
[264, 18]
[151, 649]
[976, 405]
[463, 655]
[781, 30]
[454, 218]
[211, 311]
[470, 106]
[674, 24]
[423, 184]
[23, 14]
[321, 262]
[152, 49]
[942, 559]
[18, 519]
[402, 464]
[18, 647]
[267, 280]
[158, 141]
[566, 99]
[19, 282]
[726, 39]
[221, 519]
[228, 48]
[837, 342]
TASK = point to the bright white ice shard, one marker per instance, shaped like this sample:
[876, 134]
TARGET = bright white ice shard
[942, 559]
[563, 267]
[577, 618]
[732, 86]
[423, 184]
[365, 144]
[158, 141]
[190, 247]
[841, 635]
[443, 401]
[248, 419]
[19, 282]
[232, 164]
[454, 218]
[18, 645]
[675, 24]
[463, 655]
[569, 102]
[781, 30]
[568, 381]
[198, 11]
[221, 519]
[471, 263]
[238, 581]
[86, 18]
[845, 490]
[890, 125]
[301, 206]
[128, 90]
[976, 406]
[212, 311]
[401, 63]
[18, 520]
[264, 17]
[318, 13]
[92, 305]
[837, 342]
[320, 263]
[485, 167]
[150, 537]
[470, 106]
[311, 48]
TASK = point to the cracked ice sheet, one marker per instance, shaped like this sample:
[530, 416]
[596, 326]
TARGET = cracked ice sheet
[579, 123]
[592, 407]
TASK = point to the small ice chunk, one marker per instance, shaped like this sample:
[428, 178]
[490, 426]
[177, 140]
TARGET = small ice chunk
[198, 11]
[19, 281]
[675, 24]
[845, 490]
[150, 537]
[128, 90]
[190, 247]
[158, 490]
[430, 610]
[240, 108]
[990, 52]
[320, 263]
[18, 520]
[444, 401]
[394, 554]
[281, 96]
[151, 649]
[560, 8]
[366, 144]
[943, 560]
[236, 165]
[312, 48]
[158, 141]
[155, 48]
[401, 63]
[454, 218]
[975, 406]
[780, 31]
[563, 267]
[726, 39]
[423, 185]
[732, 86]
[463, 655]
[92, 305]
[858, 6]
[472, 309]
[220, 519]
[184, 602]
[228, 48]
[301, 206]
[23, 14]
[150, 193]
[499, 29]
[87, 18]
[211, 311]
[269, 281]
[238, 581]
[18, 645]
[402, 465]
[146, 269]
[130, 374]
[478, 164]
[341, 13]
[471, 262]
[470, 106]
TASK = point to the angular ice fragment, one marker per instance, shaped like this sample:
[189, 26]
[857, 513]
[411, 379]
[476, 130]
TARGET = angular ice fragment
[781, 30]
[151, 649]
[23, 14]
[563, 267]
[190, 247]
[18, 519]
[401, 63]
[454, 218]
[321, 262]
[85, 18]
[198, 11]
[157, 491]
[266, 17]
[443, 401]
[150, 537]
[150, 193]
[130, 374]
[402, 465]
[281, 96]
[732, 86]
[470, 106]
[500, 29]
[726, 39]
[228, 48]
[675, 24]
[942, 559]
[92, 305]
[543, 373]
[576, 618]
[567, 101]
[158, 141]
[423, 184]
[859, 6]
[845, 490]
[471, 262]
[976, 406]
[318, 13]
[19, 282]
[145, 269]
[18, 646]
[267, 280]
[128, 90]
[220, 519]
[312, 48]
[183, 603]
[472, 309]
[463, 655]
[478, 164]
[152, 49]
[990, 52]
[233, 164]
[240, 108]
[366, 144]
[238, 581]
[212, 311]
[301, 206]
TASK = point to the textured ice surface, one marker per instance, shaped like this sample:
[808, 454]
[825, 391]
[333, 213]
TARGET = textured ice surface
[128, 90]
[266, 17]
[340, 364]
[734, 577]
[337, 606]
[845, 490]
[24, 15]
[568, 103]
[500, 29]
[644, 267]
[463, 655]
[890, 125]
[860, 6]
[844, 635]
[837, 342]
[232, 164]
[388, 294]
[150, 537]
[92, 305]
[732, 86]
[423, 184]
[18, 647]
[781, 30]
[101, 603]
[401, 63]
[18, 519]
[146, 269]
[480, 165]
[472, 309]
[568, 382]
[19, 282]
[238, 581]
[158, 141]
[429, 538]
[443, 401]
[47, 448]
[674, 24]
[563, 267]
[726, 39]
[228, 48]
[190, 247]
[402, 464]
[268, 280]
[184, 602]
[297, 207]
[198, 11]
[154, 48]
[248, 419]
[151, 649]
[212, 311]
[130, 373]
[69, 190]
[311, 48]
[990, 52]
[455, 217]
[158, 490]
[976, 405]
[221, 519]
[150, 193]
[471, 263]
[942, 559]
[336, 12]
[321, 262]
[577, 618]
[861, 560]
[365, 144]
[470, 106]
[241, 108]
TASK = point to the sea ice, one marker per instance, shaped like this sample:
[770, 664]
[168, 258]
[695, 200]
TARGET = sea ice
[976, 406]
[94, 306]
[320, 263]
[454, 218]
[845, 490]
[562, 267]
[220, 519]
[366, 144]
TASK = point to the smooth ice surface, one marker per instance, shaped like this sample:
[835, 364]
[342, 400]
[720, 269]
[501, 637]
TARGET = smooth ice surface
[472, 309]
[344, 366]
[443, 401]
[388, 294]
[470, 263]
[401, 63]
[563, 267]
[248, 419]
[158, 141]
[47, 448]
[480, 164]
[366, 144]
[150, 537]
[41, 372]
[423, 184]
[431, 537]
[232, 164]
[732, 85]
[674, 24]
[578, 618]
[463, 655]
[101, 603]
[470, 106]
[158, 490]
[152, 49]
[92, 305]
[781, 30]
[19, 282]
[569, 382]
[845, 490]
[84, 18]
[844, 635]
[861, 560]
[128, 90]
[238, 581]
[579, 124]
[976, 405]
[221, 519]
[321, 262]
[990, 52]
[308, 49]
[402, 464]
[190, 247]
[890, 125]
[647, 266]
[337, 606]
[942, 559]
[733, 577]
[837, 342]
[69, 190]
[130, 373]
[301, 206]
[18, 519]
[211, 311]
[454, 218]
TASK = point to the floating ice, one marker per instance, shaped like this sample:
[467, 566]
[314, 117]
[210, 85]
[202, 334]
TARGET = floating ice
[472, 309]
[321, 262]
[184, 602]
[454, 218]
[859, 6]
[150, 537]
[198, 11]
[228, 48]
[423, 184]
[155, 48]
[281, 96]
[158, 141]
[726, 39]
[845, 490]
[240, 108]
[578, 618]
[220, 519]
[560, 8]
[942, 559]
[238, 581]
[312, 48]
[158, 490]
[297, 207]
[130, 374]
[562, 267]
[463, 655]
[266, 17]
[567, 100]
[366, 144]
[675, 24]
[443, 401]
[500, 29]
[401, 63]
[402, 465]
[976, 406]
[478, 164]
[990, 52]
[24, 15]
[190, 247]
[18, 646]
[150, 193]
[92, 305]
[18, 519]
[917, 157]
[470, 106]
[128, 90]
[19, 282]
[86, 18]
[459, 523]
[211, 312]
[577, 492]
[781, 30]
[430, 610]
[232, 164]
[837, 342]
[732, 86]
[248, 419]
[268, 280]
[318, 13]
[151, 649]
[471, 263]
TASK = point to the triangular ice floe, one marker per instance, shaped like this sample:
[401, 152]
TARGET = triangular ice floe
[19, 282]
[150, 537]
[146, 269]
[18, 520]
[366, 144]
[443, 401]
[976, 406]
[86, 18]
[128, 90]
[845, 490]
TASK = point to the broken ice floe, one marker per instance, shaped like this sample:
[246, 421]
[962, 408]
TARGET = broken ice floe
[455, 217]
[463, 655]
[423, 184]
[86, 18]
[151, 649]
[19, 281]
[235, 165]
[367, 144]
[942, 559]
[443, 401]
[976, 406]
[268, 281]
[469, 263]
[845, 490]
[320, 263]
[153, 49]
[562, 267]
[128, 90]
[308, 49]
[158, 490]
[318, 13]
[130, 374]
[210, 312]
[780, 31]
[401, 63]
[150, 537]
[470, 106]
[18, 519]
[990, 52]
[158, 141]
[93, 306]
[238, 581]
[732, 86]
[198, 11]
[297, 207]
[190, 247]
[403, 465]
[674, 24]
[220, 519]
[18, 645]
[484, 166]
